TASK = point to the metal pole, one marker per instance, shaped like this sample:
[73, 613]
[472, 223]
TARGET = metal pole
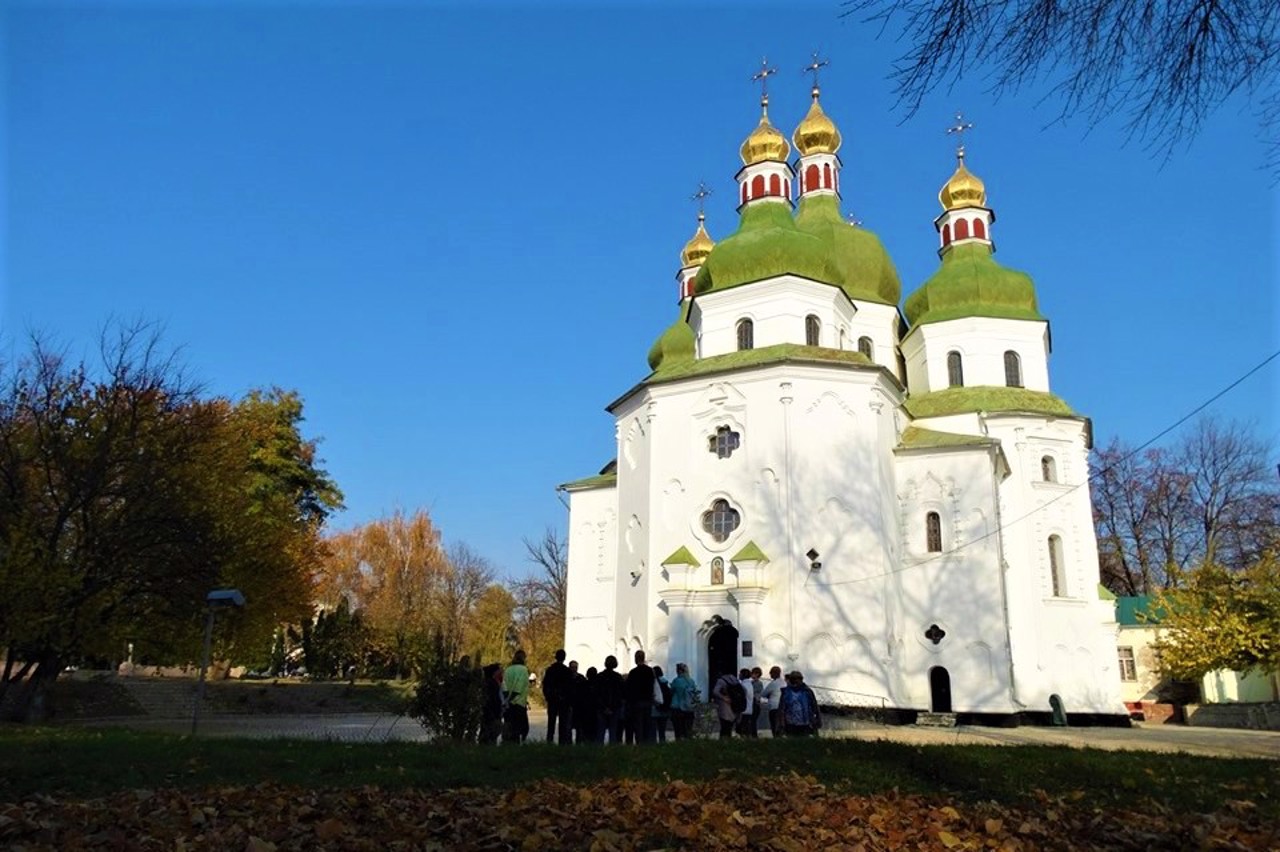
[204, 666]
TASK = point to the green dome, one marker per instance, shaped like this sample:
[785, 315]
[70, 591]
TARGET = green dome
[971, 284]
[865, 270]
[767, 243]
[676, 344]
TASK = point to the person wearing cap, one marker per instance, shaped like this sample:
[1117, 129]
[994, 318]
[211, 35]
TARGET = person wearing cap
[799, 708]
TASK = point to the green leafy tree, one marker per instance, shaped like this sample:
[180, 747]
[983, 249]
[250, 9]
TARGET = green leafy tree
[1222, 619]
[449, 699]
[125, 497]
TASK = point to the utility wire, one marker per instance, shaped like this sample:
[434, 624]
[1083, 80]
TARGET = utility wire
[1004, 526]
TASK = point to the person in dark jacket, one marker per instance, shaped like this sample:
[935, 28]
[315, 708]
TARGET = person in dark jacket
[491, 711]
[583, 697]
[556, 681]
[800, 714]
[609, 697]
[639, 694]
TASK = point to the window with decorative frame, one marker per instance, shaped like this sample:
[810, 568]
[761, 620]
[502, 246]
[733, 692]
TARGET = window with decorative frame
[721, 520]
[812, 330]
[1128, 665]
[724, 442]
[1048, 469]
[1057, 569]
[717, 571]
[1012, 369]
[955, 370]
[933, 532]
[866, 347]
[746, 334]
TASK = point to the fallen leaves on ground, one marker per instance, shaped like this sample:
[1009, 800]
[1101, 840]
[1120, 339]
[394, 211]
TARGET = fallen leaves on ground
[789, 813]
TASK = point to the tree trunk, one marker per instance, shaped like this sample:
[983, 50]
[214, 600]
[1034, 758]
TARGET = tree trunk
[32, 702]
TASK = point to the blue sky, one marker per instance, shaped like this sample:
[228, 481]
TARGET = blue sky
[454, 230]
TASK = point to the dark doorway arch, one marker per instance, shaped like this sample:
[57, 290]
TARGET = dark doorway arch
[939, 690]
[722, 653]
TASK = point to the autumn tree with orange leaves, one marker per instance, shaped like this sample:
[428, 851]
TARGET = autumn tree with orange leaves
[414, 596]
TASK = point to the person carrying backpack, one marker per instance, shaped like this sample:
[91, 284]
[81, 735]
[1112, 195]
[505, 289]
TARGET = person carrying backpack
[799, 710]
[661, 703]
[731, 701]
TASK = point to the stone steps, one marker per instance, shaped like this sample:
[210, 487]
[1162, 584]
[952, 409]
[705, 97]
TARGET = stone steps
[936, 720]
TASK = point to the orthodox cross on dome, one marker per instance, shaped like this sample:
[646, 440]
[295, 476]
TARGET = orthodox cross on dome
[701, 196]
[763, 76]
[854, 220]
[814, 67]
[959, 128]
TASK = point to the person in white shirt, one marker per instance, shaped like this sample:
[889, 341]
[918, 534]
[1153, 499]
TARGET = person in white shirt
[744, 721]
[772, 696]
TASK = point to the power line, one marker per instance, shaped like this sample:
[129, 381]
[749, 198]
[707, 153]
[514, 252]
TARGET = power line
[1004, 526]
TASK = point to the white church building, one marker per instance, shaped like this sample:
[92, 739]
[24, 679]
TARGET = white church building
[891, 500]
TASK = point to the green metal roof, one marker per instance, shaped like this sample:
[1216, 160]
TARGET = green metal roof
[682, 556]
[986, 398]
[766, 244]
[864, 267]
[605, 480]
[916, 438]
[1137, 611]
[676, 344]
[970, 283]
[757, 357]
[750, 552]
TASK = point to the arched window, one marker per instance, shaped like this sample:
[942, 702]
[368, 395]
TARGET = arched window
[746, 334]
[962, 229]
[786, 189]
[826, 175]
[946, 234]
[1012, 369]
[757, 186]
[933, 532]
[866, 347]
[1057, 568]
[811, 177]
[979, 229]
[842, 338]
[775, 185]
[955, 370]
[721, 520]
[812, 330]
[1048, 469]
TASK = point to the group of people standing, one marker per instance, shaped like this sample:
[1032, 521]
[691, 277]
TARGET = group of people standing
[741, 701]
[606, 706]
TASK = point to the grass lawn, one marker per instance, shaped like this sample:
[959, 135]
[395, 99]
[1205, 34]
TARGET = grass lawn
[83, 763]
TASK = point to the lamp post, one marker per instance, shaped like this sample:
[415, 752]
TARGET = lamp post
[215, 600]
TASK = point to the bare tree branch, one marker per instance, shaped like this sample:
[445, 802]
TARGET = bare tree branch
[1162, 65]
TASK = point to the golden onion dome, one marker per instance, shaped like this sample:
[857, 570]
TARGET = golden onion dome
[696, 250]
[964, 189]
[816, 134]
[766, 142]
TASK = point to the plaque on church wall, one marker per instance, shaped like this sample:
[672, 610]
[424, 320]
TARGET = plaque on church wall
[746, 648]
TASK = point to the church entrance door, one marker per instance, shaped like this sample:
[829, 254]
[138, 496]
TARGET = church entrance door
[939, 690]
[722, 654]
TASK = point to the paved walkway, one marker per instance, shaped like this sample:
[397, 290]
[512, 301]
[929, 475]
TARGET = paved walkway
[371, 727]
